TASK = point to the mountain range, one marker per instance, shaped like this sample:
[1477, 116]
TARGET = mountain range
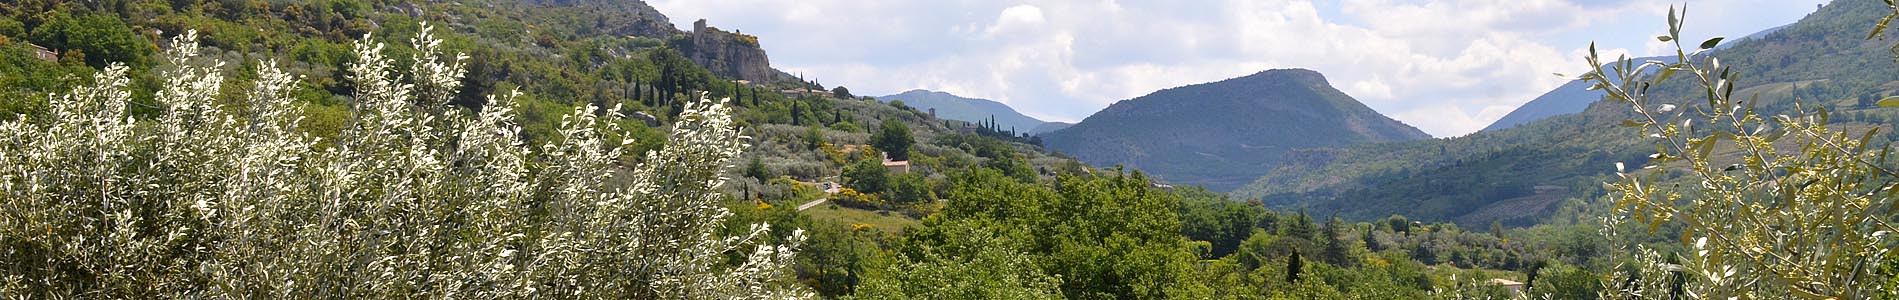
[1224, 134]
[951, 106]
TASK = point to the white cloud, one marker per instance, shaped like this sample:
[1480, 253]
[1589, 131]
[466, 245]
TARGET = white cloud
[1448, 67]
[1019, 17]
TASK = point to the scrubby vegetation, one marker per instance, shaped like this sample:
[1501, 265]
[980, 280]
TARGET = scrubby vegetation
[414, 198]
[316, 163]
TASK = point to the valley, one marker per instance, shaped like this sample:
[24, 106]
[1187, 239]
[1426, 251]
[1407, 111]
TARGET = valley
[597, 149]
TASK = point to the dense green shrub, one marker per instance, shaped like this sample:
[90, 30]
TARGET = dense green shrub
[414, 197]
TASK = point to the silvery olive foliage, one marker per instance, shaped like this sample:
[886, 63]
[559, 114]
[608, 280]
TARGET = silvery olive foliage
[416, 199]
[1772, 207]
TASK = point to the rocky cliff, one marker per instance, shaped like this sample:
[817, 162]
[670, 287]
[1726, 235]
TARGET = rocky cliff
[728, 54]
[731, 55]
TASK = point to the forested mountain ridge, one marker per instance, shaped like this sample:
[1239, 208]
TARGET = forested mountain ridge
[1516, 175]
[1456, 179]
[1226, 133]
[951, 106]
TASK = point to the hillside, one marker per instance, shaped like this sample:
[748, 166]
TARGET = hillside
[561, 54]
[1574, 96]
[1822, 59]
[1224, 134]
[953, 107]
[1569, 98]
[415, 183]
[1454, 179]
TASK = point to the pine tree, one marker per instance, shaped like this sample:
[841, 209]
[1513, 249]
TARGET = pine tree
[1335, 251]
[1299, 226]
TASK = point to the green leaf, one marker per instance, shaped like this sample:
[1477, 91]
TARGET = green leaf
[1666, 72]
[1631, 123]
[1705, 147]
[1889, 101]
[1716, 41]
[1881, 27]
[1664, 38]
[1674, 23]
[1868, 138]
[1592, 50]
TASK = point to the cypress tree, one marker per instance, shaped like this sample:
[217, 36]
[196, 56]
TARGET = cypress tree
[1293, 266]
[738, 95]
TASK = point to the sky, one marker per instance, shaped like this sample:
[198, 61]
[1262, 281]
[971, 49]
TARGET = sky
[1448, 67]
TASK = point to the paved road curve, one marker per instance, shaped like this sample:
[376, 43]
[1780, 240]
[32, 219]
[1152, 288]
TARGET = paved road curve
[808, 205]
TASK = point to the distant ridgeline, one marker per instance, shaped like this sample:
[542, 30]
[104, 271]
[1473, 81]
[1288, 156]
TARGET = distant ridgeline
[1227, 133]
[1574, 96]
[1518, 174]
[950, 106]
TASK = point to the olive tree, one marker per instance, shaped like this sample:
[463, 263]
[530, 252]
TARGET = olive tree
[416, 198]
[1801, 211]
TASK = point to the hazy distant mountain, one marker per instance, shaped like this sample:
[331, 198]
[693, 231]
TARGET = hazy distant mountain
[1050, 127]
[953, 107]
[1570, 98]
[1574, 96]
[1227, 133]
